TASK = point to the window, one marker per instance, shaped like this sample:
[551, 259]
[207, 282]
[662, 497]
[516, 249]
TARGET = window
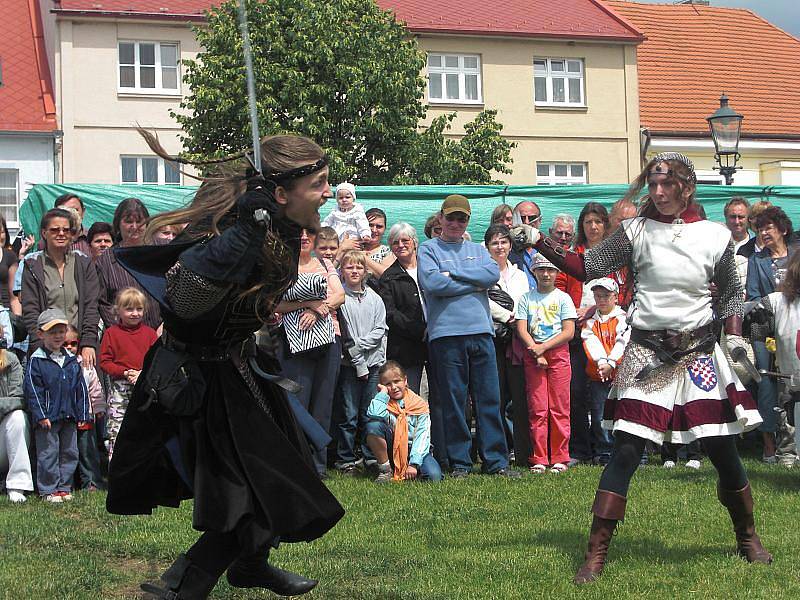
[454, 78]
[560, 173]
[148, 67]
[558, 82]
[148, 170]
[9, 195]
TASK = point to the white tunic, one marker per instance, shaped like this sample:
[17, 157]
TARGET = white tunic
[674, 264]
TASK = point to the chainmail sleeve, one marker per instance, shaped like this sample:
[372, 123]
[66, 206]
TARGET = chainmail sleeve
[191, 295]
[609, 256]
[726, 278]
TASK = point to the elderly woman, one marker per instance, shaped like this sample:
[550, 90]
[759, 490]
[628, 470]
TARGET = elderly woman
[405, 315]
[671, 387]
[766, 269]
[61, 278]
[128, 225]
[513, 284]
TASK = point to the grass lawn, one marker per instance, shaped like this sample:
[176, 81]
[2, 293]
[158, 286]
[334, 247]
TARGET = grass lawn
[476, 538]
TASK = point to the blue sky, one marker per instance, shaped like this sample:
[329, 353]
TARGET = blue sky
[783, 13]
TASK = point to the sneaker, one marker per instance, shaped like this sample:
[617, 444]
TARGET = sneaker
[694, 464]
[770, 460]
[459, 473]
[347, 468]
[16, 496]
[508, 473]
[787, 463]
[668, 464]
[384, 477]
[538, 469]
[65, 496]
[558, 468]
[53, 499]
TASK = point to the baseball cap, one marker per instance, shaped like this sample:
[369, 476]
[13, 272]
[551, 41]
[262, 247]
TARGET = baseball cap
[541, 262]
[50, 318]
[606, 283]
[456, 203]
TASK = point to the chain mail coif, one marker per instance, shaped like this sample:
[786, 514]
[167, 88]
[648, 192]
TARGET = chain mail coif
[191, 295]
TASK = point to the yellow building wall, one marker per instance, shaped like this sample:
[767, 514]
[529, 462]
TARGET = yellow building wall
[98, 122]
[605, 134]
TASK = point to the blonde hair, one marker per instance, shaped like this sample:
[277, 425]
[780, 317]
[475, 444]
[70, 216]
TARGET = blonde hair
[356, 256]
[130, 297]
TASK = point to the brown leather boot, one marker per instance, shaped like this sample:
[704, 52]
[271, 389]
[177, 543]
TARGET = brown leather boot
[608, 508]
[740, 507]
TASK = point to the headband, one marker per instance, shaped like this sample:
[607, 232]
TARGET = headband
[298, 172]
[678, 157]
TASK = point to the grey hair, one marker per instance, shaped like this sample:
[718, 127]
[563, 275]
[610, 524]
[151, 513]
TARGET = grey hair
[564, 218]
[399, 229]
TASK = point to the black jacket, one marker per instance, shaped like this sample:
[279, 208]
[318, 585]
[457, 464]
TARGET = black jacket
[406, 340]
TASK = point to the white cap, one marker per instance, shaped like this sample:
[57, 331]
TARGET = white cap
[606, 283]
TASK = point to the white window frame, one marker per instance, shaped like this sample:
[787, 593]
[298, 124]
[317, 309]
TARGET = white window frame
[13, 223]
[709, 177]
[549, 75]
[159, 89]
[569, 179]
[461, 71]
[139, 171]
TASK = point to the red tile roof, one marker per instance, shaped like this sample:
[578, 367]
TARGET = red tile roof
[693, 53]
[26, 96]
[575, 19]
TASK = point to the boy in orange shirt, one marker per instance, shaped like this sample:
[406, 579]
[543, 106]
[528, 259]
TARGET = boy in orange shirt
[605, 336]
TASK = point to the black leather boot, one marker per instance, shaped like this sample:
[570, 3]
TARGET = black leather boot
[182, 581]
[255, 572]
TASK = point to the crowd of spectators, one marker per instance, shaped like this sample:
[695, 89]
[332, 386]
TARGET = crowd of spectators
[418, 357]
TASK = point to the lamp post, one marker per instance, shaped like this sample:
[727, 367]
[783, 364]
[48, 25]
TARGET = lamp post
[726, 127]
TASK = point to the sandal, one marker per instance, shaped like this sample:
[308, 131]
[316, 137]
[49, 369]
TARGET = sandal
[538, 469]
[558, 468]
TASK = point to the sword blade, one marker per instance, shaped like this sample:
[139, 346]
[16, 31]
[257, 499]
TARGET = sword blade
[251, 84]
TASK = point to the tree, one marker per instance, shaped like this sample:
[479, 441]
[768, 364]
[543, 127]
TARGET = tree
[436, 159]
[343, 73]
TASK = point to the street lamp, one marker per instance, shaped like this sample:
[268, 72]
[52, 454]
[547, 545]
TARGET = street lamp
[726, 127]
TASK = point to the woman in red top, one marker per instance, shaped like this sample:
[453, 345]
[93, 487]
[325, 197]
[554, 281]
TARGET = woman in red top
[122, 355]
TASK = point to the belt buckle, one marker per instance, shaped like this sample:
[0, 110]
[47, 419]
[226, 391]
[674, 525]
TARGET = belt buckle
[686, 339]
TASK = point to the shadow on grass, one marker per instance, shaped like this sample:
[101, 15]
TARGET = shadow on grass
[626, 543]
[780, 479]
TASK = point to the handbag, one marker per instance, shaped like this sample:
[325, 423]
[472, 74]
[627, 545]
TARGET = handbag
[174, 381]
[502, 331]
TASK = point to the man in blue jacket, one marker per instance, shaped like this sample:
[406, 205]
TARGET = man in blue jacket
[59, 403]
[455, 275]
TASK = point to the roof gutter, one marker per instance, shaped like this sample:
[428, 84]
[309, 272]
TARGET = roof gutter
[706, 133]
[107, 14]
[566, 35]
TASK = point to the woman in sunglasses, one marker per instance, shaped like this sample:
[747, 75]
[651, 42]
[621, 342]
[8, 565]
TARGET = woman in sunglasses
[61, 278]
[674, 383]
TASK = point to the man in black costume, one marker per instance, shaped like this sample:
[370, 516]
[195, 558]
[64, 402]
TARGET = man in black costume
[208, 418]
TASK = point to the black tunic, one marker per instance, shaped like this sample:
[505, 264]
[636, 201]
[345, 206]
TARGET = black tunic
[243, 459]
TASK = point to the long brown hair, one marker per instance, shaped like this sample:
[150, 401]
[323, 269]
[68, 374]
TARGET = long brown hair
[790, 286]
[215, 200]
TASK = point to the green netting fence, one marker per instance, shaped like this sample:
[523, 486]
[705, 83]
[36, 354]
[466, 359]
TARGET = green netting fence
[412, 204]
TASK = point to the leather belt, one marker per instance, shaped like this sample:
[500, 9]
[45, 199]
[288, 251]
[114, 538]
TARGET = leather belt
[198, 352]
[669, 346]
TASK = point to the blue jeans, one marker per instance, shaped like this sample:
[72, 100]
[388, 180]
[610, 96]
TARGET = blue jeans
[601, 438]
[465, 364]
[429, 469]
[354, 397]
[317, 376]
[767, 395]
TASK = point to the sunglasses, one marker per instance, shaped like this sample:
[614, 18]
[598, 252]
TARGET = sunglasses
[59, 229]
[530, 218]
[71, 344]
[437, 230]
[460, 219]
